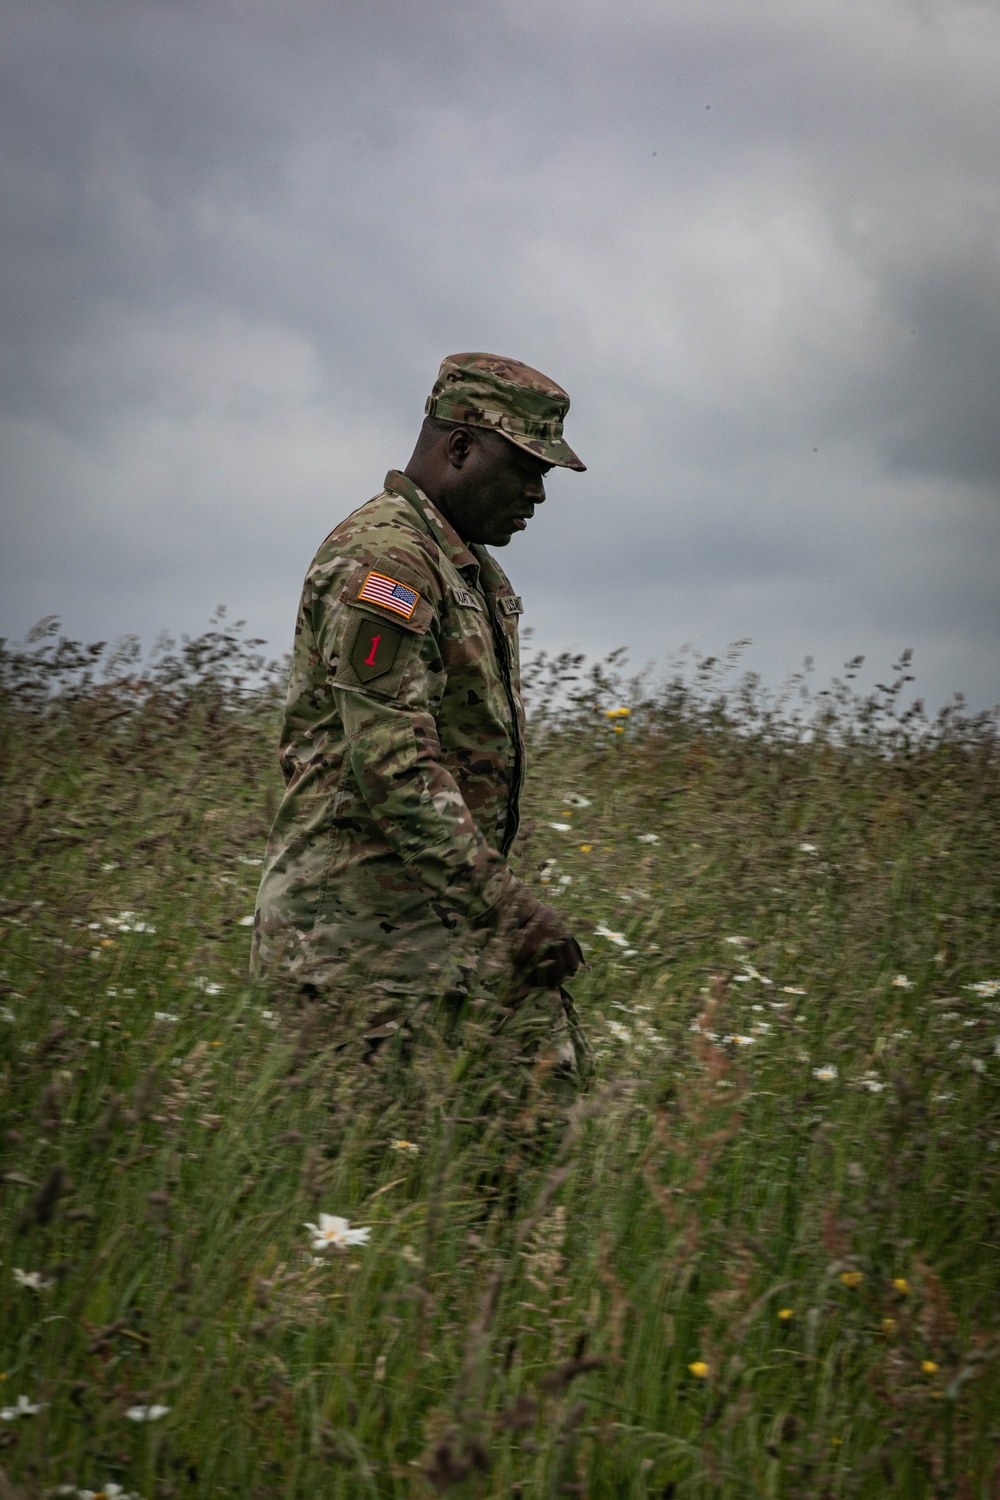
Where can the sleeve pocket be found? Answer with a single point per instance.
(375, 654)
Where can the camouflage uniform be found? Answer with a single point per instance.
(403, 738)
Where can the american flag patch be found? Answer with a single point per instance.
(378, 589)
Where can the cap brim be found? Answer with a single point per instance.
(558, 453)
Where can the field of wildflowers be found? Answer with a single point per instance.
(759, 1256)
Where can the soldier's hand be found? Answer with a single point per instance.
(545, 952)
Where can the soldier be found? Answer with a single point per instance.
(402, 744)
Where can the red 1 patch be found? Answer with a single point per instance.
(375, 647)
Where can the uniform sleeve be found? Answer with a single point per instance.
(396, 758)
(387, 683)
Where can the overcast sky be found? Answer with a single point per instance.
(758, 241)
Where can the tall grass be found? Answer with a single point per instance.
(758, 1257)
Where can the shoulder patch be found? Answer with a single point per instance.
(375, 647)
(379, 588)
(510, 604)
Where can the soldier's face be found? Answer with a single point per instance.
(494, 490)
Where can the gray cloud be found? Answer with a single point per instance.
(758, 245)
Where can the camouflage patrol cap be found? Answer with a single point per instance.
(486, 390)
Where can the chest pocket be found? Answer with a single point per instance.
(466, 634)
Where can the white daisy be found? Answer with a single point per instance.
(22, 1408)
(618, 938)
(34, 1281)
(333, 1233)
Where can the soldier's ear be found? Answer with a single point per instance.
(459, 446)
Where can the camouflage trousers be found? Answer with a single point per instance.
(539, 1036)
(421, 981)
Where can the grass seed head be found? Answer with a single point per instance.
(42, 1208)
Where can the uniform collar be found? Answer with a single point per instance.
(492, 578)
(447, 538)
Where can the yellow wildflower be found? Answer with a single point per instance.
(619, 728)
(699, 1369)
(785, 1314)
(902, 1285)
(889, 1325)
(929, 1367)
(586, 848)
(851, 1278)
(617, 713)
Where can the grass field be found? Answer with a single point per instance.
(760, 1256)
